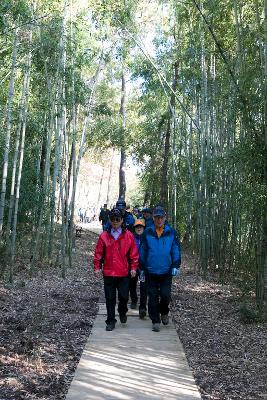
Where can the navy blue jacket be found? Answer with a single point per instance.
(138, 240)
(158, 255)
(149, 222)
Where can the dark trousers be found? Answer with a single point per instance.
(111, 284)
(133, 289)
(143, 296)
(159, 295)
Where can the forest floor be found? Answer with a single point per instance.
(46, 320)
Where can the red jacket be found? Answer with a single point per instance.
(120, 256)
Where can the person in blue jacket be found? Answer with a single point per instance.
(160, 258)
(128, 219)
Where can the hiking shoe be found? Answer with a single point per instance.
(123, 318)
(142, 313)
(156, 327)
(165, 319)
(110, 327)
(133, 306)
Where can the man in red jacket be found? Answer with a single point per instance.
(117, 255)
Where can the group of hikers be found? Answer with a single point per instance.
(86, 215)
(139, 244)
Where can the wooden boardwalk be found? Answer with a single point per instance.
(132, 363)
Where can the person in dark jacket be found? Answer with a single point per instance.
(139, 227)
(137, 214)
(147, 214)
(116, 255)
(128, 219)
(103, 216)
(160, 257)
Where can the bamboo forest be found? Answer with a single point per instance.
(155, 102)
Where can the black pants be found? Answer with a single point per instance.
(110, 285)
(143, 295)
(133, 289)
(159, 295)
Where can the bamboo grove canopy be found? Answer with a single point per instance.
(179, 86)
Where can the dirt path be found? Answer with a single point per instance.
(45, 322)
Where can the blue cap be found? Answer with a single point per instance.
(158, 211)
(115, 212)
(147, 210)
(121, 204)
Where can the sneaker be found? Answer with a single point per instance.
(156, 327)
(133, 306)
(142, 313)
(123, 318)
(110, 327)
(165, 319)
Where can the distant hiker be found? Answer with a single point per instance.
(160, 258)
(117, 255)
(128, 219)
(103, 216)
(147, 214)
(139, 227)
(137, 213)
(82, 214)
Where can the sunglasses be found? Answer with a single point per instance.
(114, 219)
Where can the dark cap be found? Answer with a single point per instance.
(115, 212)
(158, 211)
(146, 210)
(121, 204)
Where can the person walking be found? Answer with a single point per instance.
(103, 216)
(117, 256)
(139, 227)
(160, 258)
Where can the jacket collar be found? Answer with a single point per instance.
(123, 229)
(152, 228)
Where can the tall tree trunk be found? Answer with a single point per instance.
(100, 188)
(167, 143)
(21, 155)
(72, 162)
(122, 179)
(15, 158)
(263, 258)
(164, 172)
(264, 241)
(8, 128)
(110, 177)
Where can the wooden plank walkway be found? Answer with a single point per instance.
(132, 363)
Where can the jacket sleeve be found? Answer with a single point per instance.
(176, 251)
(133, 254)
(99, 254)
(143, 252)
